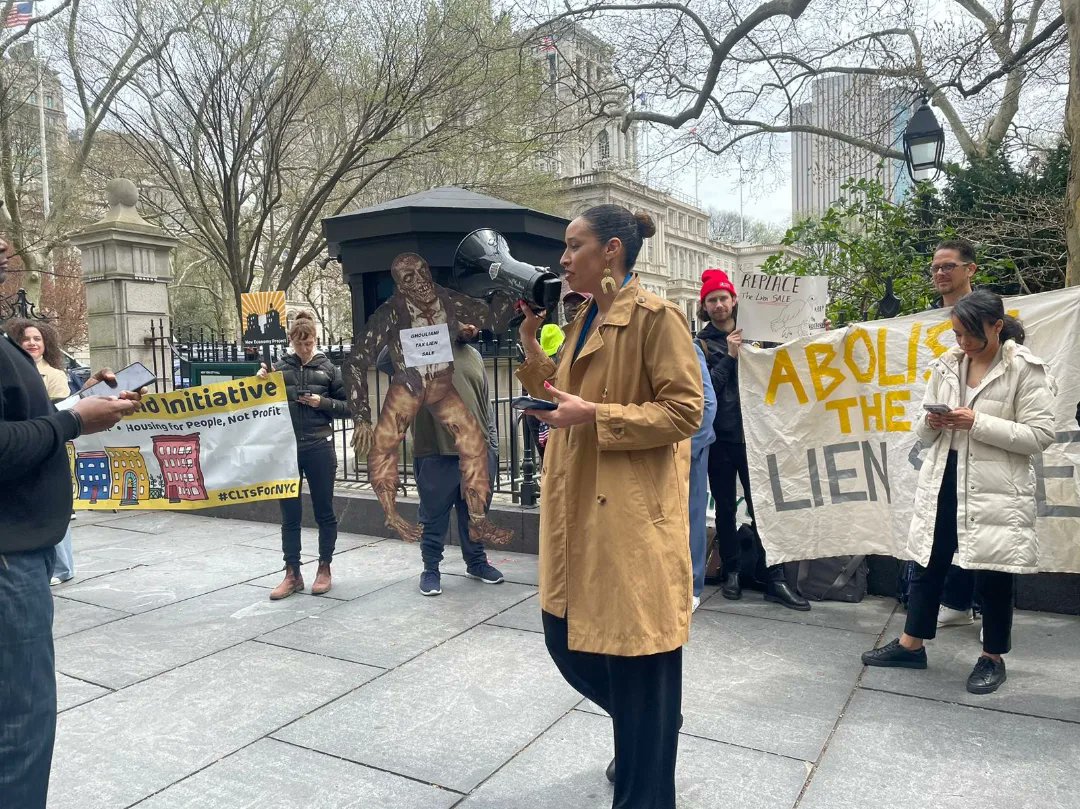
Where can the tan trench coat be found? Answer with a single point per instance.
(614, 523)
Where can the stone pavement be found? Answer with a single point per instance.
(182, 685)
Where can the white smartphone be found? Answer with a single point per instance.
(132, 378)
(939, 409)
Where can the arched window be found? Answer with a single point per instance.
(604, 145)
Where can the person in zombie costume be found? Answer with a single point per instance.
(417, 302)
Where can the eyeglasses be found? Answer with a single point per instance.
(946, 268)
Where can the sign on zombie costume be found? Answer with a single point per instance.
(833, 457)
(213, 445)
(416, 326)
(779, 308)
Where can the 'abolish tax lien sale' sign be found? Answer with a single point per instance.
(231, 442)
(833, 458)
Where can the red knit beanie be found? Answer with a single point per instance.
(712, 280)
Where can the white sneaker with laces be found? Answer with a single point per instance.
(697, 603)
(947, 616)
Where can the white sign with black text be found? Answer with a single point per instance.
(426, 345)
(778, 308)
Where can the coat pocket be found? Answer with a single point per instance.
(647, 484)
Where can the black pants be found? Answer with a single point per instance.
(318, 463)
(643, 695)
(726, 460)
(995, 589)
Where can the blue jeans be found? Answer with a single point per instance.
(438, 480)
(65, 559)
(27, 678)
(699, 498)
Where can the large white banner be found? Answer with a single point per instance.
(230, 442)
(833, 459)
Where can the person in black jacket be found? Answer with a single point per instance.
(35, 506)
(316, 397)
(721, 342)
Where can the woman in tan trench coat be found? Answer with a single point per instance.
(615, 575)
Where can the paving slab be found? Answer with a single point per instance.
(869, 616)
(132, 743)
(159, 522)
(564, 769)
(519, 568)
(152, 586)
(309, 541)
(71, 692)
(95, 535)
(272, 773)
(896, 752)
(91, 517)
(74, 616)
(362, 570)
(768, 685)
(452, 717)
(525, 615)
(392, 625)
(121, 653)
(1043, 660)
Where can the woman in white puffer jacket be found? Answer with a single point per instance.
(976, 492)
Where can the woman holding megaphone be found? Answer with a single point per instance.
(615, 575)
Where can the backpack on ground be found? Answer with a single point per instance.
(835, 578)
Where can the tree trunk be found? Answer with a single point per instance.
(1071, 9)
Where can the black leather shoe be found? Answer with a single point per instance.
(894, 656)
(731, 589)
(986, 677)
(779, 592)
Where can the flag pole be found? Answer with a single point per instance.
(45, 206)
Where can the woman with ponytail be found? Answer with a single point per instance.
(316, 397)
(615, 575)
(989, 409)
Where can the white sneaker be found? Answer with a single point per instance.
(54, 581)
(697, 603)
(946, 616)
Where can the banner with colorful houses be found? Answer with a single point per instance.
(230, 442)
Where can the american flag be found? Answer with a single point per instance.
(547, 43)
(20, 14)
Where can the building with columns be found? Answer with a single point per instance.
(599, 164)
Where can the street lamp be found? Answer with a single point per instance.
(924, 144)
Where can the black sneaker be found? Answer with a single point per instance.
(485, 573)
(986, 677)
(893, 655)
(430, 583)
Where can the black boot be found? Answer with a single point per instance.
(731, 589)
(779, 592)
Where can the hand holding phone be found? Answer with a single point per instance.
(530, 403)
(133, 378)
(937, 409)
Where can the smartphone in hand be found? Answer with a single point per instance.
(938, 409)
(530, 403)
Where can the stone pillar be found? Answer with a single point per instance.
(125, 263)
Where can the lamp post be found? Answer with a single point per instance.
(924, 144)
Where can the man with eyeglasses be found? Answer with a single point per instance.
(951, 272)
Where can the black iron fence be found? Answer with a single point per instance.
(177, 354)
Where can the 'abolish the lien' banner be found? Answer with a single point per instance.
(230, 442)
(833, 458)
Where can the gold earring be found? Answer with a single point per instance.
(607, 283)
